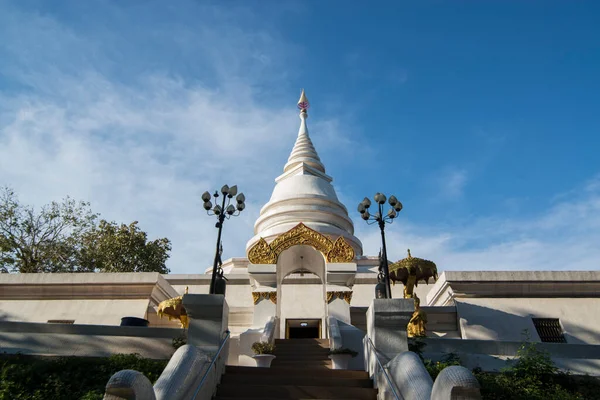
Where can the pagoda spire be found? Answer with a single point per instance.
(304, 150)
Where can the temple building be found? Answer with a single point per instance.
(303, 267)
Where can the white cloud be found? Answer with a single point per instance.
(451, 183)
(147, 148)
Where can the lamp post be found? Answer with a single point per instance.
(381, 219)
(224, 211)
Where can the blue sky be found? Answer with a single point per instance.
(481, 117)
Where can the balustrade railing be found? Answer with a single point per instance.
(212, 365)
(372, 350)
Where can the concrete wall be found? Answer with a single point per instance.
(83, 311)
(86, 340)
(506, 318)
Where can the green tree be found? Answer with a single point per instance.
(64, 237)
(44, 241)
(110, 247)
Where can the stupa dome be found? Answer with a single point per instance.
(304, 194)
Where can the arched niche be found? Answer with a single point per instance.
(298, 297)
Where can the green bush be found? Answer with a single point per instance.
(67, 378)
(532, 376)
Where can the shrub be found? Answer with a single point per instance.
(263, 348)
(434, 368)
(67, 378)
(532, 376)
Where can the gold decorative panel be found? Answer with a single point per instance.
(298, 235)
(256, 296)
(335, 252)
(340, 252)
(261, 253)
(347, 296)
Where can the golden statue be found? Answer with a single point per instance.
(174, 309)
(410, 271)
(417, 324)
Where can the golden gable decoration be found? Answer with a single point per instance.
(335, 252)
(261, 253)
(340, 252)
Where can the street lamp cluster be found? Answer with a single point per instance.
(227, 209)
(224, 211)
(382, 290)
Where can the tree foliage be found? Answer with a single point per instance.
(65, 237)
(123, 248)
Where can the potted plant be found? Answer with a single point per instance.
(341, 357)
(264, 353)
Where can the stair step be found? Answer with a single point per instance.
(302, 364)
(279, 371)
(295, 392)
(301, 357)
(313, 340)
(310, 350)
(295, 380)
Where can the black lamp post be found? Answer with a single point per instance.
(223, 211)
(381, 219)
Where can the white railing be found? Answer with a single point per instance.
(213, 364)
(372, 352)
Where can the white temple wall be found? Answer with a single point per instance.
(505, 318)
(82, 311)
(364, 293)
(263, 311)
(304, 301)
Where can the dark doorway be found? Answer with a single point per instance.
(304, 333)
(303, 328)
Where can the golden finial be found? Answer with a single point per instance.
(303, 103)
(409, 256)
(186, 290)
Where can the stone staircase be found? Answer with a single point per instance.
(300, 371)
